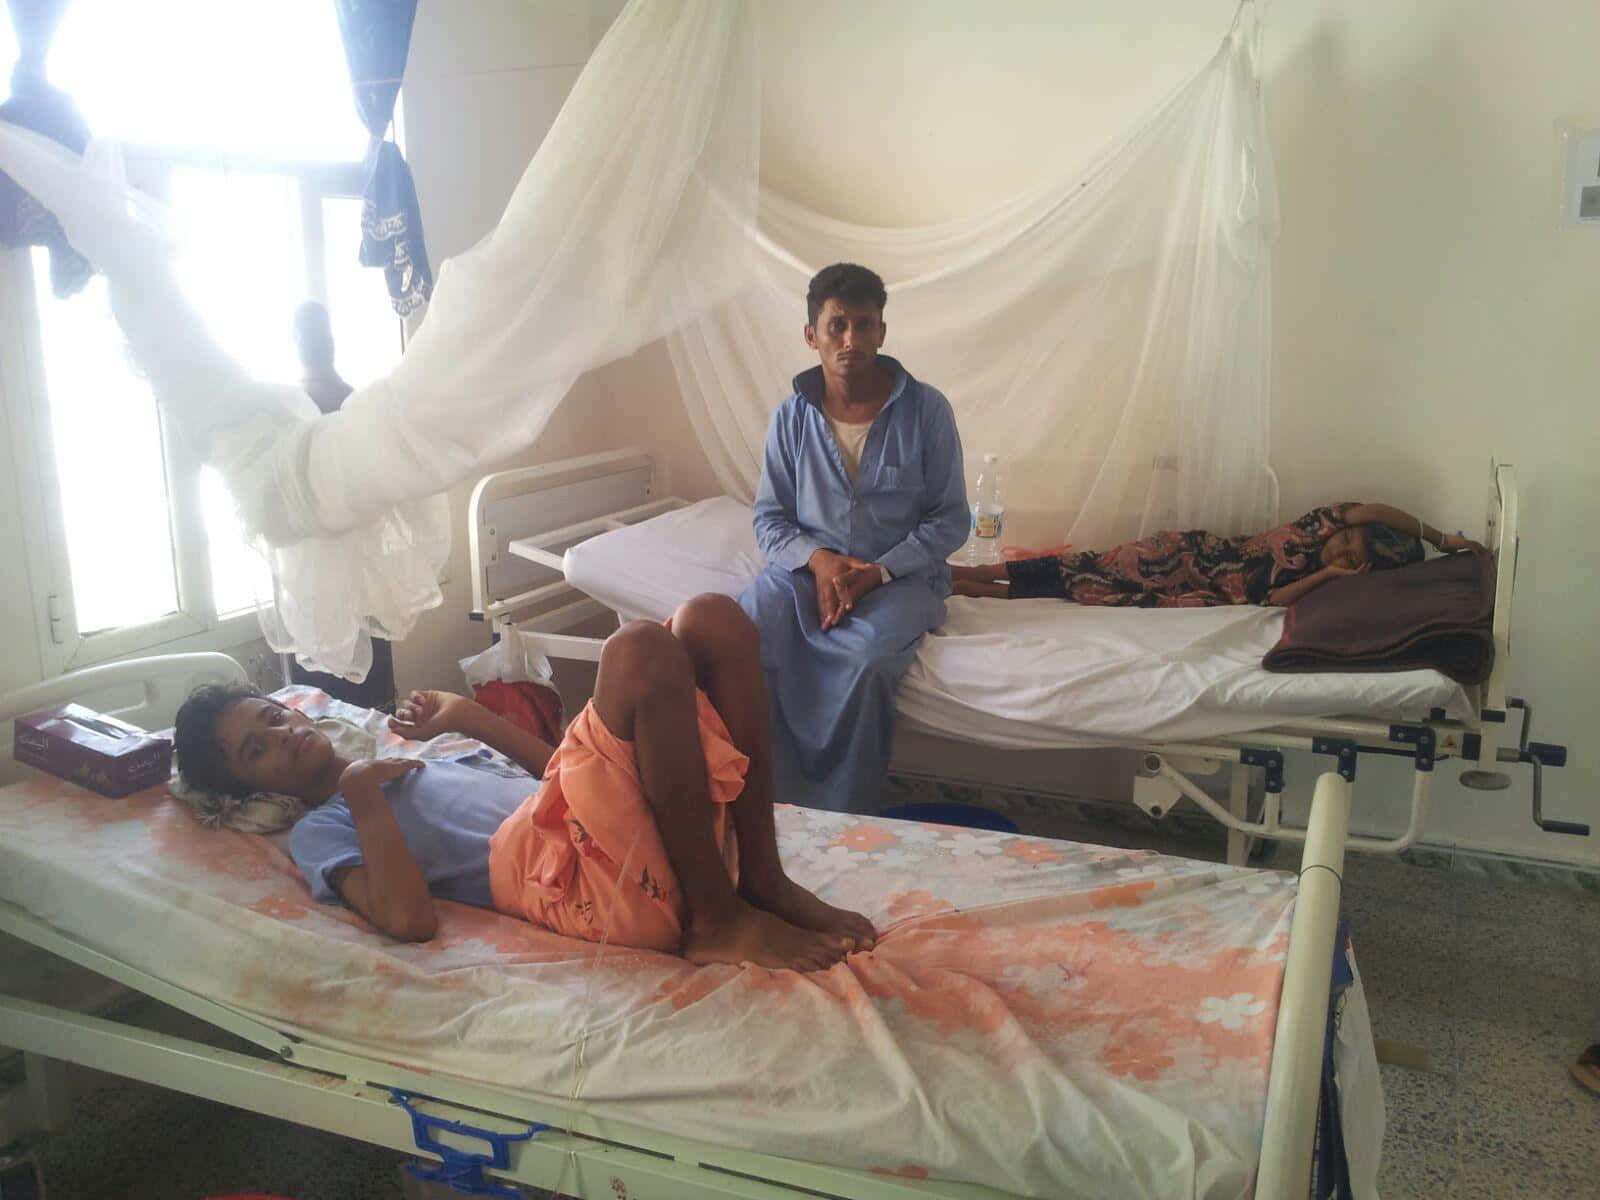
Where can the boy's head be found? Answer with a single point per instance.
(1374, 545)
(232, 740)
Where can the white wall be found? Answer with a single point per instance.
(1428, 313)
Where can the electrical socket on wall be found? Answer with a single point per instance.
(1580, 174)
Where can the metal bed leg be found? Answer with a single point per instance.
(1239, 806)
(49, 1100)
(1293, 1087)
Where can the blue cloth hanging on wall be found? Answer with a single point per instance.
(37, 106)
(377, 41)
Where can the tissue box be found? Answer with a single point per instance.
(91, 749)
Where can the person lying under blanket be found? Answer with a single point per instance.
(653, 826)
(1193, 568)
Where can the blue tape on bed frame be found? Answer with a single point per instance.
(461, 1170)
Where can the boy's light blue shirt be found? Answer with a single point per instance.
(447, 811)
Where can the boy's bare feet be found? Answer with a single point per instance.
(747, 934)
(787, 899)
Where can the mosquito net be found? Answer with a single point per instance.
(1107, 331)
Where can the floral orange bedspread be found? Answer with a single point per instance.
(1048, 1018)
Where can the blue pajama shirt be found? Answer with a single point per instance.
(833, 692)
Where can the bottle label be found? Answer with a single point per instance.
(986, 525)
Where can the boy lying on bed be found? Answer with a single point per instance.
(653, 826)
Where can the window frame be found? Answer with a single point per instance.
(195, 624)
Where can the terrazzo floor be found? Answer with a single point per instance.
(1498, 982)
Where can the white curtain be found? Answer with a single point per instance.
(1107, 334)
(1108, 331)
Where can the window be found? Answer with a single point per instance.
(133, 544)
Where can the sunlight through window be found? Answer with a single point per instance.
(109, 462)
(230, 117)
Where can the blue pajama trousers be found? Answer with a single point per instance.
(833, 692)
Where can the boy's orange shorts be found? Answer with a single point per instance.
(583, 852)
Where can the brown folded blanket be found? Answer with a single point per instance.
(1430, 614)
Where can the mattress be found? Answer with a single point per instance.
(1051, 1019)
(1032, 673)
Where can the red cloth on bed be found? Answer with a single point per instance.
(531, 706)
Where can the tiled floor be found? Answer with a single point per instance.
(1499, 982)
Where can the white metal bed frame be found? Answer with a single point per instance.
(570, 1148)
(599, 1159)
(521, 522)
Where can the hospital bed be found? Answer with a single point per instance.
(1081, 1021)
(560, 544)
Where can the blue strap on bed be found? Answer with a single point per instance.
(461, 1170)
(1330, 1169)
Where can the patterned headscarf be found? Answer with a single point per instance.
(1388, 547)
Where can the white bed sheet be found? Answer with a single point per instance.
(1031, 673)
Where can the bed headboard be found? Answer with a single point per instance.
(1502, 539)
(549, 498)
(142, 691)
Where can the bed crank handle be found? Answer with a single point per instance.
(1572, 827)
(1539, 755)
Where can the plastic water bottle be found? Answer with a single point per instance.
(988, 515)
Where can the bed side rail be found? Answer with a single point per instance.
(159, 679)
(142, 691)
(540, 500)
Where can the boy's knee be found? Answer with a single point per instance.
(713, 619)
(645, 658)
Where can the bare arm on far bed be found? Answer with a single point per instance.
(427, 714)
(387, 888)
(1290, 592)
(1404, 522)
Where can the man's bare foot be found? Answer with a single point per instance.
(795, 904)
(747, 934)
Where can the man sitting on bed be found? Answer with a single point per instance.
(653, 826)
(862, 499)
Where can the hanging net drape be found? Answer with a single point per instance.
(1107, 332)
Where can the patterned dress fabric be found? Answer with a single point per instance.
(1183, 568)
